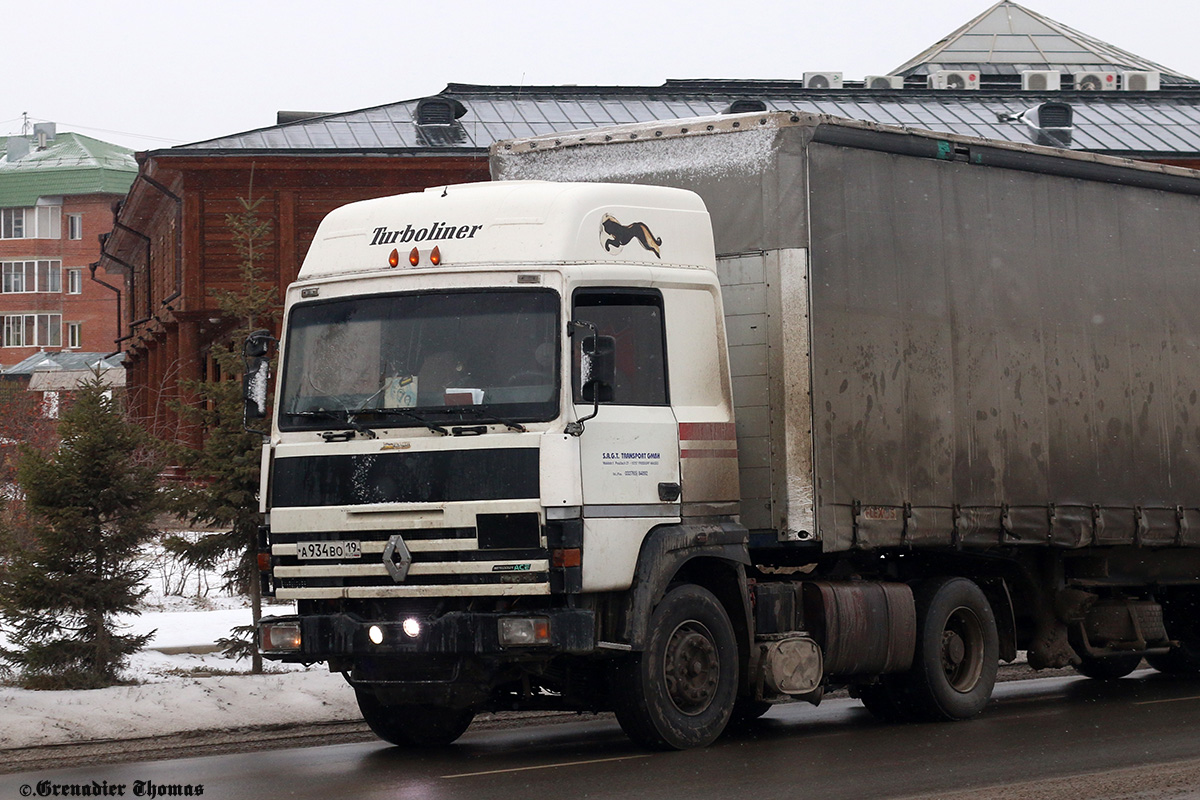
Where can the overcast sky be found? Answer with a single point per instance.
(150, 74)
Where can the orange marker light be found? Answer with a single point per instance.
(435, 257)
(414, 257)
(394, 259)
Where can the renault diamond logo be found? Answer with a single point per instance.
(397, 559)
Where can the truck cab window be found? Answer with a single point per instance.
(634, 321)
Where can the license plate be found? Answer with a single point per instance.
(328, 550)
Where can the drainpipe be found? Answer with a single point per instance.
(178, 239)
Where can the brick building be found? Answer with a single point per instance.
(1009, 74)
(57, 192)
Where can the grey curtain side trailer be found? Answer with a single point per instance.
(951, 356)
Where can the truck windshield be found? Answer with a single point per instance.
(403, 360)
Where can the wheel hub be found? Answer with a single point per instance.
(692, 668)
(962, 649)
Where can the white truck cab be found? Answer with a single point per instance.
(480, 417)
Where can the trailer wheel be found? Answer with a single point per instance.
(413, 725)
(1183, 660)
(1108, 668)
(679, 692)
(957, 652)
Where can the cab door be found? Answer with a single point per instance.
(630, 449)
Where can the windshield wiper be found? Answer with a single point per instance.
(479, 412)
(407, 412)
(344, 417)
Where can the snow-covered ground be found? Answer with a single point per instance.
(175, 692)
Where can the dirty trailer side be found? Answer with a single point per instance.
(977, 360)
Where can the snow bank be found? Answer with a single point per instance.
(174, 705)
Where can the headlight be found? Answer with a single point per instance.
(524, 631)
(279, 636)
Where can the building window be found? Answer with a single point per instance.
(31, 276)
(33, 330)
(74, 226)
(74, 335)
(75, 281)
(37, 222)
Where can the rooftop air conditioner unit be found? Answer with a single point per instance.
(1095, 81)
(954, 79)
(822, 80)
(883, 82)
(1040, 80)
(1140, 81)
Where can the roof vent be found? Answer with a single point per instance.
(288, 117)
(439, 111)
(746, 105)
(1050, 124)
(822, 80)
(1140, 81)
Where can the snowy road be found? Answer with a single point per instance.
(1047, 737)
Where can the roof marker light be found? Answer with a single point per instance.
(394, 259)
(435, 257)
(414, 257)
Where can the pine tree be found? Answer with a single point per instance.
(91, 504)
(225, 469)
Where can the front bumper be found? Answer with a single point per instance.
(337, 636)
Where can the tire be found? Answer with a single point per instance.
(1108, 668)
(1183, 660)
(679, 692)
(411, 725)
(957, 653)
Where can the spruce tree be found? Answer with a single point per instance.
(91, 505)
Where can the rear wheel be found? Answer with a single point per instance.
(1183, 660)
(679, 692)
(1108, 668)
(957, 653)
(413, 725)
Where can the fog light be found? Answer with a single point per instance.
(280, 636)
(523, 631)
(375, 634)
(412, 628)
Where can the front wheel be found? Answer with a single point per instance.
(957, 652)
(413, 725)
(680, 691)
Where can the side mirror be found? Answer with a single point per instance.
(257, 375)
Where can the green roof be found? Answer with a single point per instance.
(71, 164)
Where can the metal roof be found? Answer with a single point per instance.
(65, 361)
(1149, 124)
(71, 164)
(999, 44)
(1008, 38)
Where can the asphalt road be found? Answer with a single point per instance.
(1050, 737)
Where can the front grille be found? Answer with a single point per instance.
(444, 562)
